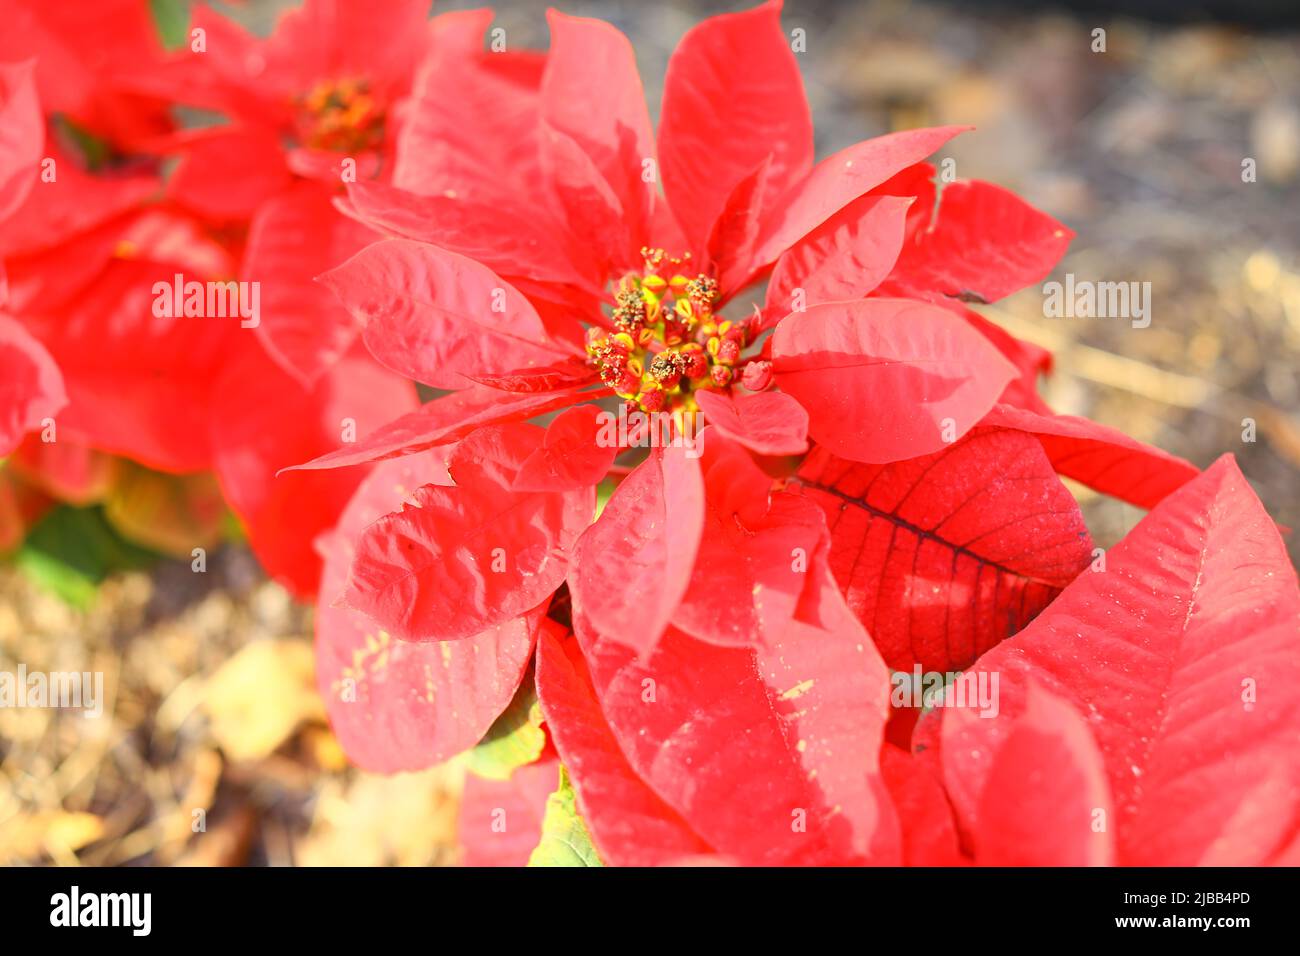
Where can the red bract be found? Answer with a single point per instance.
(472, 556)
(397, 705)
(633, 566)
(265, 419)
(945, 555)
(928, 833)
(20, 143)
(629, 822)
(790, 732)
(31, 389)
(501, 820)
(1062, 817)
(926, 377)
(1179, 660)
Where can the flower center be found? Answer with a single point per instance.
(340, 115)
(667, 343)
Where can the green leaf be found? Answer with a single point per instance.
(232, 528)
(515, 738)
(71, 550)
(172, 20)
(565, 840)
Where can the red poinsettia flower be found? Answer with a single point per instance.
(88, 238)
(316, 104)
(731, 636)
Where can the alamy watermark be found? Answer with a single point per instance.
(638, 429)
(64, 690)
(977, 690)
(1085, 299)
(133, 911)
(218, 300)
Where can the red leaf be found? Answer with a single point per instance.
(734, 483)
(21, 134)
(592, 96)
(1045, 802)
(838, 180)
(80, 55)
(231, 76)
(751, 572)
(74, 202)
(470, 130)
(886, 379)
(1184, 655)
(263, 420)
(163, 234)
(632, 566)
(109, 335)
(589, 206)
(573, 373)
(734, 80)
(845, 257)
(225, 173)
(629, 824)
(443, 421)
(396, 705)
(915, 182)
(293, 237)
(51, 279)
(31, 388)
(985, 241)
(924, 815)
(768, 423)
(1102, 458)
(571, 455)
(470, 228)
(501, 820)
(790, 733)
(457, 561)
(736, 233)
(437, 317)
(941, 557)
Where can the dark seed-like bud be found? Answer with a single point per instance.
(666, 369)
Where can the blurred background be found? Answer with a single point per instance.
(1139, 149)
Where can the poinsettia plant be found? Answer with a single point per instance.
(678, 572)
(734, 533)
